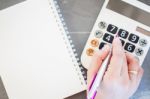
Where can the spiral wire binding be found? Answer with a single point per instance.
(69, 43)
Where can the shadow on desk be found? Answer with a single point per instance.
(81, 95)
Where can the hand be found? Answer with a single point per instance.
(122, 77)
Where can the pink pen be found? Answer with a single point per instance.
(98, 78)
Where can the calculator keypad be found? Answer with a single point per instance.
(112, 29)
(123, 33)
(108, 38)
(129, 47)
(133, 38)
(107, 33)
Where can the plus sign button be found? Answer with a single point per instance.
(143, 42)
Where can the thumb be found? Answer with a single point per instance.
(97, 60)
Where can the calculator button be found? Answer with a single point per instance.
(102, 25)
(133, 38)
(112, 29)
(143, 42)
(122, 41)
(108, 38)
(94, 43)
(101, 45)
(139, 51)
(98, 34)
(123, 34)
(130, 47)
(90, 52)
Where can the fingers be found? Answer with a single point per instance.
(140, 75)
(132, 60)
(96, 63)
(118, 57)
(133, 65)
(135, 72)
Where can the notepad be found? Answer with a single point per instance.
(36, 57)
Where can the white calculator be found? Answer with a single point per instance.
(130, 19)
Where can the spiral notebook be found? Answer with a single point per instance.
(36, 56)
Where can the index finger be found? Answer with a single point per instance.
(118, 57)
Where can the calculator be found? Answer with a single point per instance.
(130, 20)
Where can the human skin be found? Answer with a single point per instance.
(123, 74)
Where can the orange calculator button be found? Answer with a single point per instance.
(90, 52)
(95, 43)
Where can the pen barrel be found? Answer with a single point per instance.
(93, 91)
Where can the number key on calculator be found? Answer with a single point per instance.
(134, 32)
(133, 38)
(123, 33)
(108, 38)
(112, 29)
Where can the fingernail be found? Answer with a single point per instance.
(106, 47)
(117, 41)
(116, 35)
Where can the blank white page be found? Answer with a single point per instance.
(34, 59)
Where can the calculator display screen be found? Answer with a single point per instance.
(138, 10)
(141, 4)
(141, 30)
